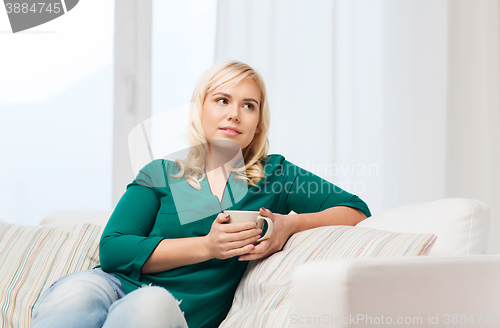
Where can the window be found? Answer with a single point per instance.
(56, 109)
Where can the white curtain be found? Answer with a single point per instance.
(395, 101)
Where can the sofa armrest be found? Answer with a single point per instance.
(409, 292)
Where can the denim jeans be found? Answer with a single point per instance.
(94, 298)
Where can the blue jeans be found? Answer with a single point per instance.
(94, 298)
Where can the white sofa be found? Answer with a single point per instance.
(319, 286)
(456, 285)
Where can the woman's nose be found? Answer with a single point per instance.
(233, 112)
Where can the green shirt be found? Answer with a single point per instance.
(146, 214)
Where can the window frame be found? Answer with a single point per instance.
(132, 84)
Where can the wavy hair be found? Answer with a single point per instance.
(192, 168)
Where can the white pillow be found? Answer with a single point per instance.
(461, 225)
(263, 299)
(33, 257)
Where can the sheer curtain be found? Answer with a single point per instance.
(395, 101)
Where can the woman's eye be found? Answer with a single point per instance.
(223, 99)
(249, 106)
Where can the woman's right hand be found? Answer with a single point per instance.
(228, 240)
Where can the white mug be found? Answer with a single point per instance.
(253, 216)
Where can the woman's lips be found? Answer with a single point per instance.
(230, 133)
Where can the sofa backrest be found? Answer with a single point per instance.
(462, 226)
(67, 219)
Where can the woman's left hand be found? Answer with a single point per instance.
(282, 230)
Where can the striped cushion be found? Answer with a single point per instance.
(263, 295)
(33, 257)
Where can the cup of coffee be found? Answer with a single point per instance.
(253, 216)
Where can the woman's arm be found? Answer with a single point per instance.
(174, 253)
(318, 202)
(222, 242)
(125, 242)
(338, 215)
(287, 225)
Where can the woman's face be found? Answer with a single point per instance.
(232, 113)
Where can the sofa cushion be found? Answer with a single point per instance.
(461, 225)
(262, 298)
(33, 257)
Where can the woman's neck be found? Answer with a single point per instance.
(221, 155)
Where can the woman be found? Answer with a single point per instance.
(168, 257)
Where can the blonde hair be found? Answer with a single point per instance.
(192, 168)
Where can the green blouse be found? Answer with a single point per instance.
(147, 213)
